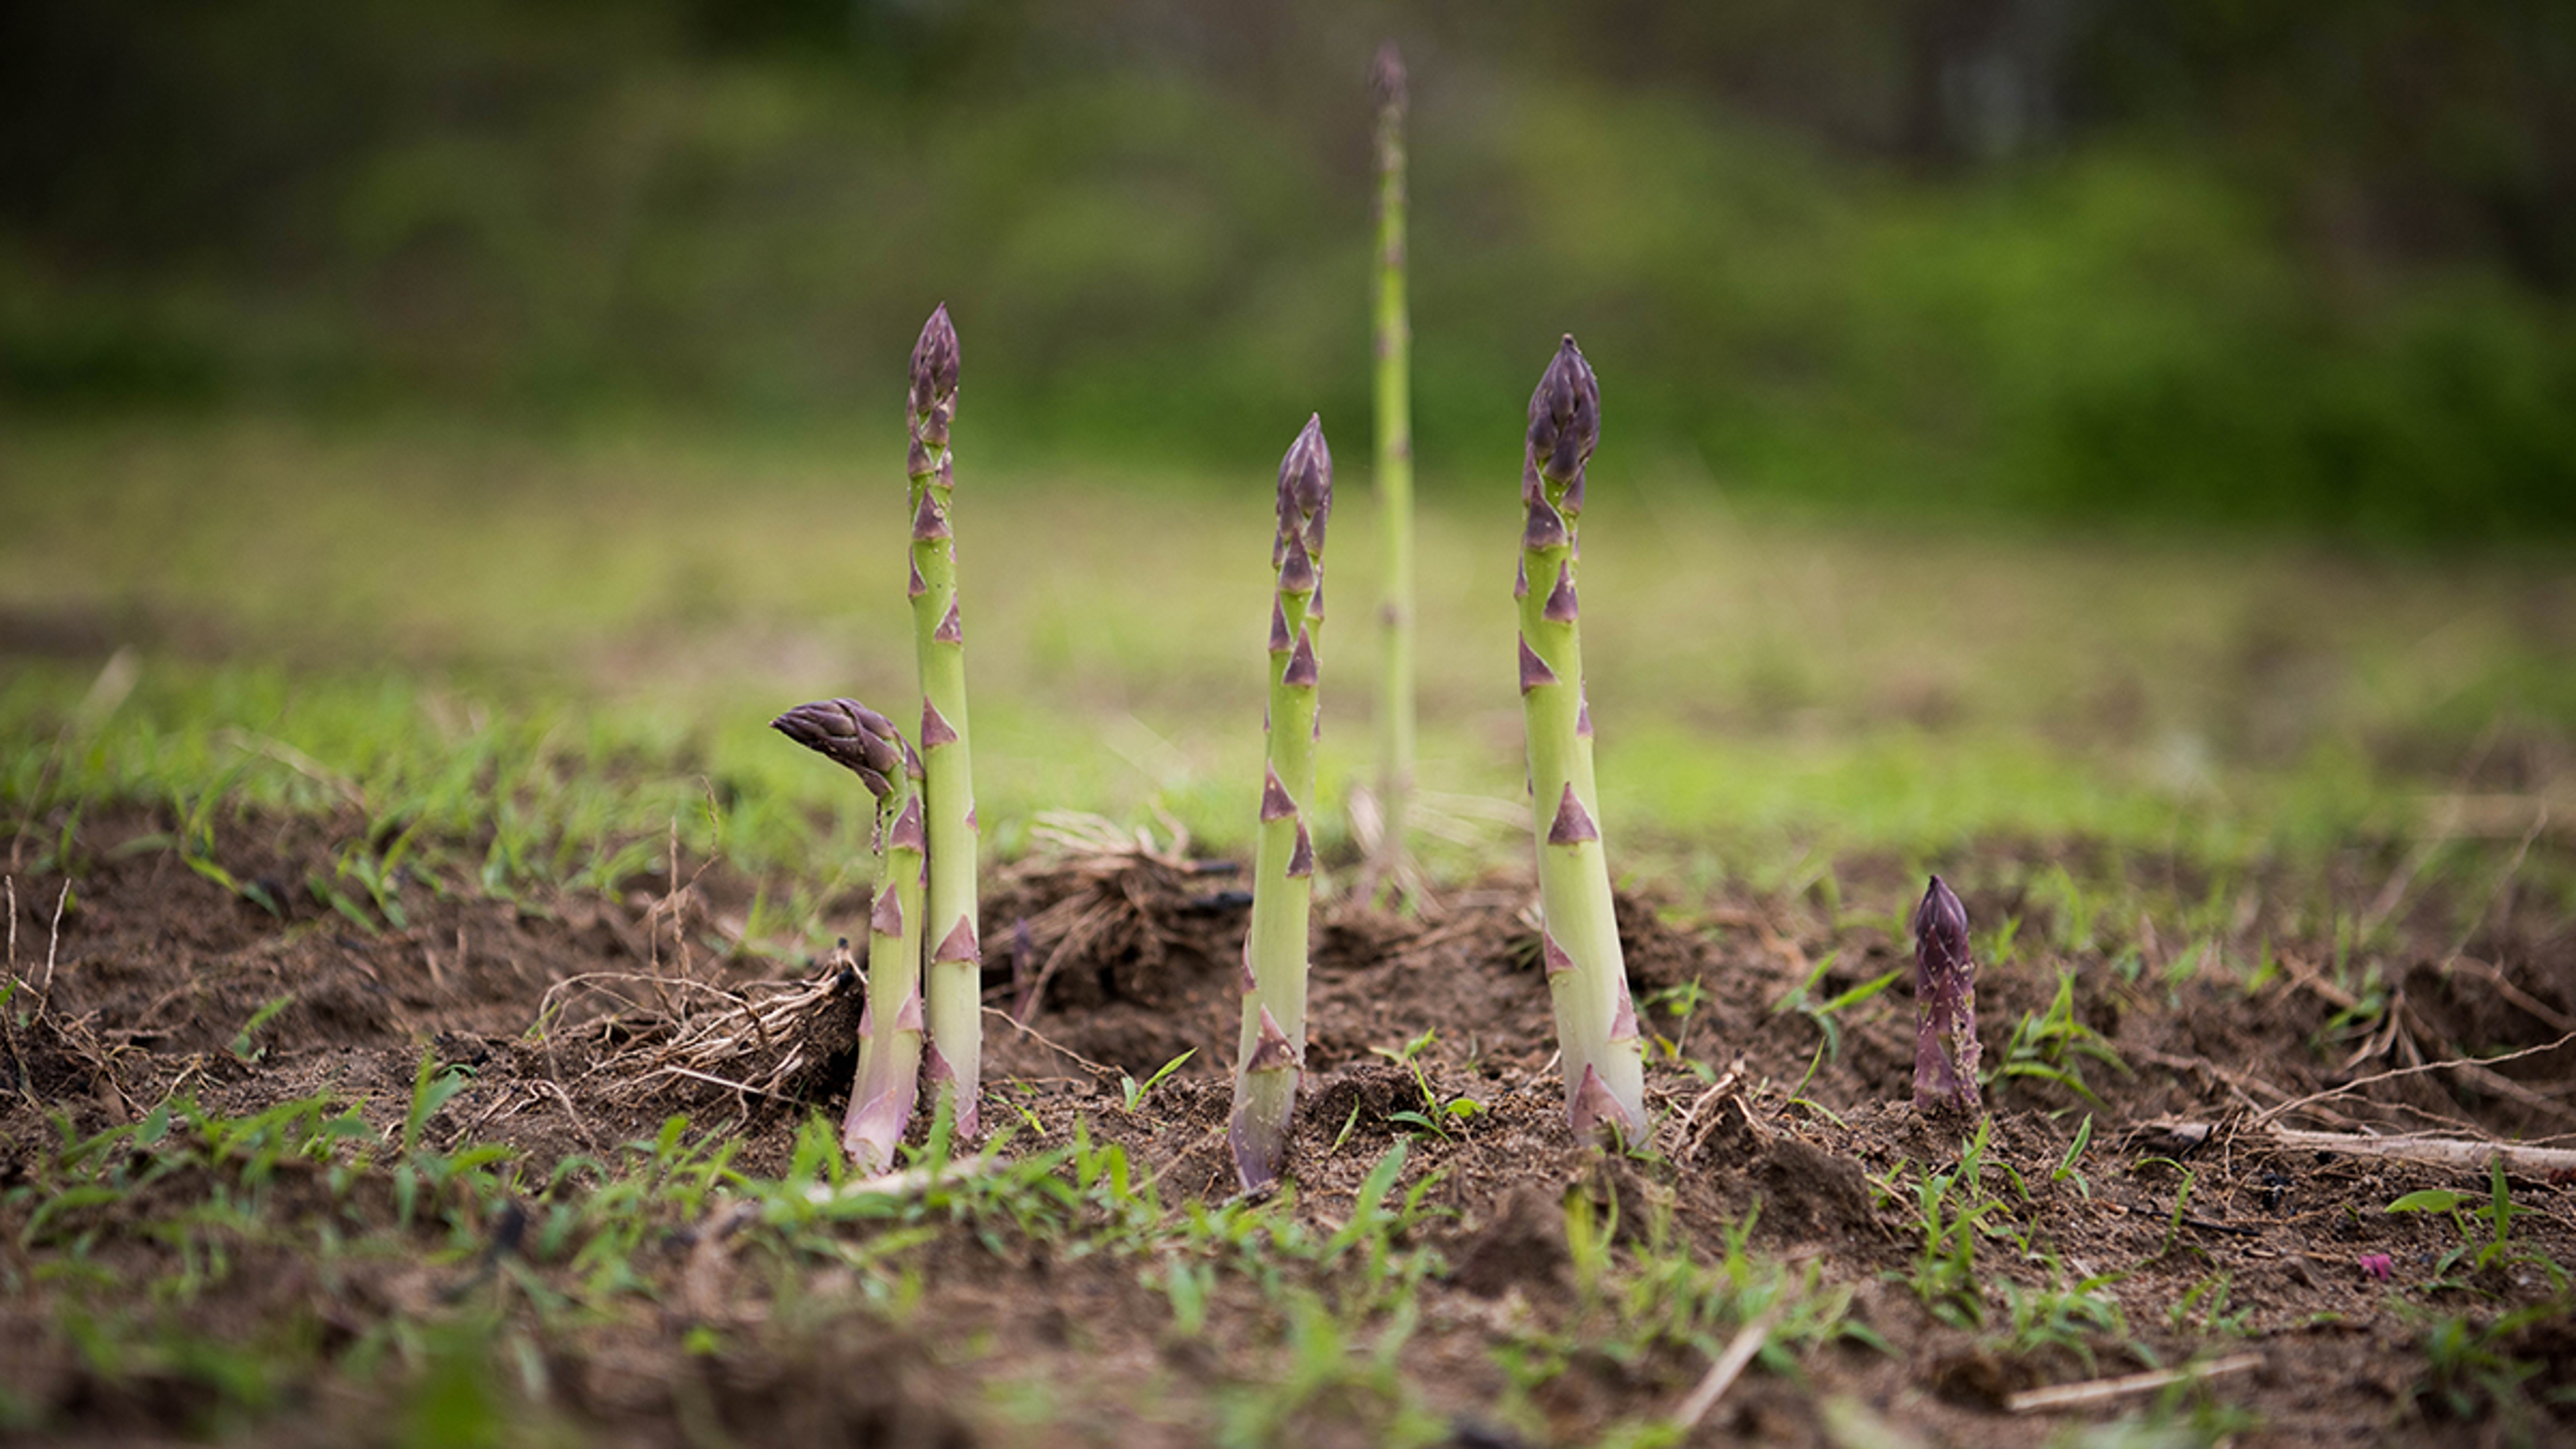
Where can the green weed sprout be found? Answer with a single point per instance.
(956, 960)
(1945, 1004)
(1395, 702)
(850, 734)
(1596, 1021)
(1272, 1054)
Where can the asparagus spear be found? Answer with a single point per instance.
(881, 1098)
(956, 957)
(1394, 474)
(1272, 1050)
(1596, 1023)
(1945, 1004)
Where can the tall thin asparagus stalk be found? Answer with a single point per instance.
(1272, 1051)
(1596, 1022)
(956, 960)
(1395, 698)
(881, 1097)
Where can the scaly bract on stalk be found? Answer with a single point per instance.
(1945, 1004)
(1587, 978)
(1395, 702)
(1271, 1054)
(939, 638)
(882, 1094)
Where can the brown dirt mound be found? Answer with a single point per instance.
(589, 1020)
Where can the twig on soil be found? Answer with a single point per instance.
(53, 939)
(2266, 1116)
(724, 1082)
(2440, 1151)
(1748, 1341)
(2095, 1391)
(2505, 988)
(1727, 1083)
(2462, 1152)
(580, 1123)
(1041, 1038)
(2243, 1086)
(546, 1004)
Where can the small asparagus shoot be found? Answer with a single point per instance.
(1395, 702)
(1945, 1004)
(1596, 1020)
(881, 1098)
(956, 956)
(1272, 1051)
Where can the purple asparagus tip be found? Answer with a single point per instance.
(1305, 499)
(934, 379)
(848, 734)
(1564, 424)
(1386, 78)
(1945, 1003)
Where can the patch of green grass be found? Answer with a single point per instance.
(515, 666)
(2053, 1045)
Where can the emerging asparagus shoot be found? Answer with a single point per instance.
(1395, 702)
(1945, 1004)
(939, 636)
(1272, 1051)
(1596, 1020)
(881, 1098)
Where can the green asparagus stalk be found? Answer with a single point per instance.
(1271, 1054)
(1394, 477)
(956, 956)
(1596, 1022)
(881, 1097)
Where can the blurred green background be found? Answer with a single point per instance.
(2298, 267)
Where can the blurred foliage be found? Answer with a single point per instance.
(2301, 265)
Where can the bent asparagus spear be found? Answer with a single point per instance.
(849, 733)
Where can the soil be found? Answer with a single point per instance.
(588, 1021)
